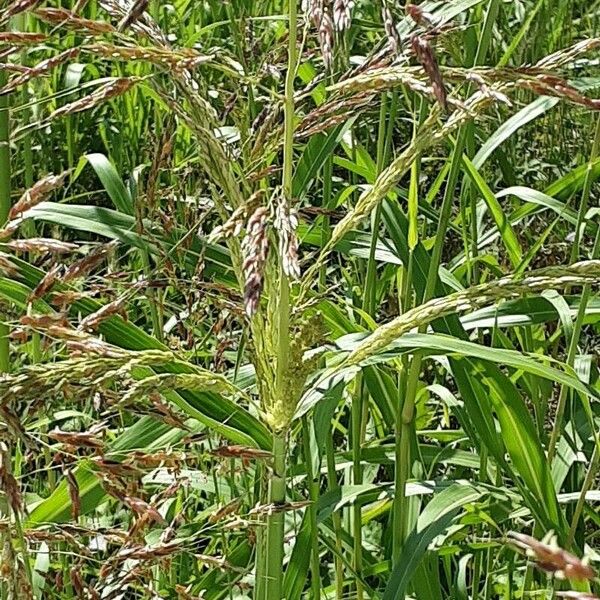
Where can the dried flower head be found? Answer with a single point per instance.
(8, 483)
(390, 28)
(83, 266)
(136, 10)
(69, 19)
(243, 452)
(549, 557)
(93, 320)
(424, 53)
(116, 87)
(42, 245)
(16, 8)
(255, 249)
(286, 222)
(234, 225)
(326, 37)
(42, 68)
(420, 16)
(37, 193)
(342, 14)
(21, 37)
(46, 283)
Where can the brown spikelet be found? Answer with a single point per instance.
(21, 37)
(240, 452)
(8, 483)
(85, 439)
(576, 595)
(37, 193)
(136, 10)
(40, 69)
(326, 37)
(92, 321)
(77, 582)
(84, 345)
(17, 7)
(342, 14)
(45, 283)
(225, 511)
(7, 267)
(270, 509)
(161, 156)
(83, 266)
(390, 28)
(234, 225)
(419, 16)
(116, 468)
(65, 299)
(255, 249)
(107, 91)
(550, 85)
(549, 557)
(42, 245)
(73, 494)
(286, 222)
(332, 113)
(144, 25)
(43, 322)
(143, 509)
(424, 53)
(150, 552)
(69, 19)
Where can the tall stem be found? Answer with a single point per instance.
(270, 566)
(273, 575)
(313, 489)
(4, 202)
(585, 298)
(332, 484)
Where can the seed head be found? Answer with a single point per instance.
(326, 37)
(286, 222)
(255, 249)
(424, 53)
(390, 28)
(342, 14)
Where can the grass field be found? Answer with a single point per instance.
(299, 300)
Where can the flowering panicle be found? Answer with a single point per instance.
(424, 53)
(286, 222)
(342, 14)
(255, 249)
(390, 27)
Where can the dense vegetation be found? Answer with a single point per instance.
(299, 300)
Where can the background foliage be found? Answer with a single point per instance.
(299, 301)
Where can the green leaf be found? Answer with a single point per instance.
(437, 516)
(112, 182)
(502, 223)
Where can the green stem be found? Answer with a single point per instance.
(585, 298)
(327, 204)
(313, 490)
(587, 484)
(4, 203)
(271, 570)
(155, 313)
(273, 574)
(332, 485)
(356, 422)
